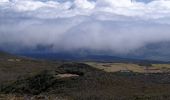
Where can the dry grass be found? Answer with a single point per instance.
(161, 65)
(66, 75)
(115, 67)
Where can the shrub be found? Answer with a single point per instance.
(32, 85)
(145, 64)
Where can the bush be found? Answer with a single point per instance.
(76, 68)
(145, 64)
(32, 85)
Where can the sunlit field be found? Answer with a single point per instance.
(130, 67)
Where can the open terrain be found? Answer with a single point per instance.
(29, 79)
(131, 67)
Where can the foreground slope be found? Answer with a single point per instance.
(37, 79)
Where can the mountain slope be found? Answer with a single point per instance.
(62, 56)
(155, 51)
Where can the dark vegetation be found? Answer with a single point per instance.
(4, 56)
(76, 68)
(33, 77)
(93, 84)
(145, 64)
(32, 85)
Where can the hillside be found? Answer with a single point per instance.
(7, 56)
(28, 78)
(63, 56)
(4, 54)
(13, 67)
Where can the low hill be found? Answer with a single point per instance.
(13, 66)
(5, 55)
(22, 79)
(87, 57)
(78, 81)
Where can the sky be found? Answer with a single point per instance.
(119, 26)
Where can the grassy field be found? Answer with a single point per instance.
(124, 67)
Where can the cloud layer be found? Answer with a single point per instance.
(119, 26)
(69, 8)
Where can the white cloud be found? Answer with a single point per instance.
(115, 25)
(115, 3)
(3, 1)
(154, 9)
(84, 4)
